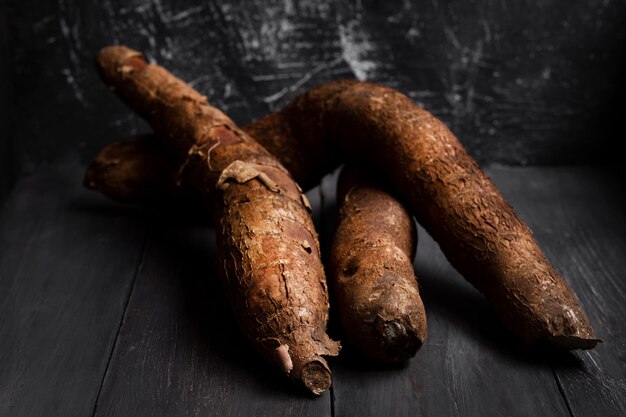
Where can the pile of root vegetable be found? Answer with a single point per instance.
(245, 180)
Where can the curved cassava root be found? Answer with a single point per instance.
(447, 191)
(371, 264)
(266, 240)
(451, 197)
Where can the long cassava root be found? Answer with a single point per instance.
(452, 198)
(267, 244)
(446, 190)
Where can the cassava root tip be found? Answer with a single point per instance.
(399, 340)
(572, 342)
(372, 271)
(278, 295)
(316, 376)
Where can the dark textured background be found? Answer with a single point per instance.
(524, 82)
(6, 170)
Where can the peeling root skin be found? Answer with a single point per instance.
(447, 191)
(276, 287)
(284, 360)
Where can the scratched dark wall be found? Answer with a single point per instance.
(520, 82)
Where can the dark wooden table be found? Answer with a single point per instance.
(110, 310)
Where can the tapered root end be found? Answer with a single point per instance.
(571, 342)
(316, 377)
(572, 330)
(103, 179)
(116, 62)
(560, 332)
(400, 342)
(89, 180)
(98, 177)
(567, 325)
(304, 364)
(115, 174)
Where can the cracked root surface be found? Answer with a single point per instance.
(446, 190)
(371, 265)
(276, 285)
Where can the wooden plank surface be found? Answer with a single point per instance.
(180, 351)
(67, 261)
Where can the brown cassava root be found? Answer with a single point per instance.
(380, 306)
(371, 264)
(451, 197)
(266, 240)
(136, 171)
(370, 261)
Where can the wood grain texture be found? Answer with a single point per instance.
(520, 83)
(67, 261)
(180, 351)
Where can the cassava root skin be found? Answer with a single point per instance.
(447, 191)
(457, 203)
(266, 240)
(372, 270)
(370, 257)
(370, 262)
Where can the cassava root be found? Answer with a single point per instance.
(447, 191)
(451, 197)
(371, 265)
(267, 244)
(370, 262)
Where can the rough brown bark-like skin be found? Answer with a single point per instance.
(451, 197)
(376, 291)
(266, 239)
(461, 208)
(372, 270)
(298, 134)
(454, 200)
(120, 170)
